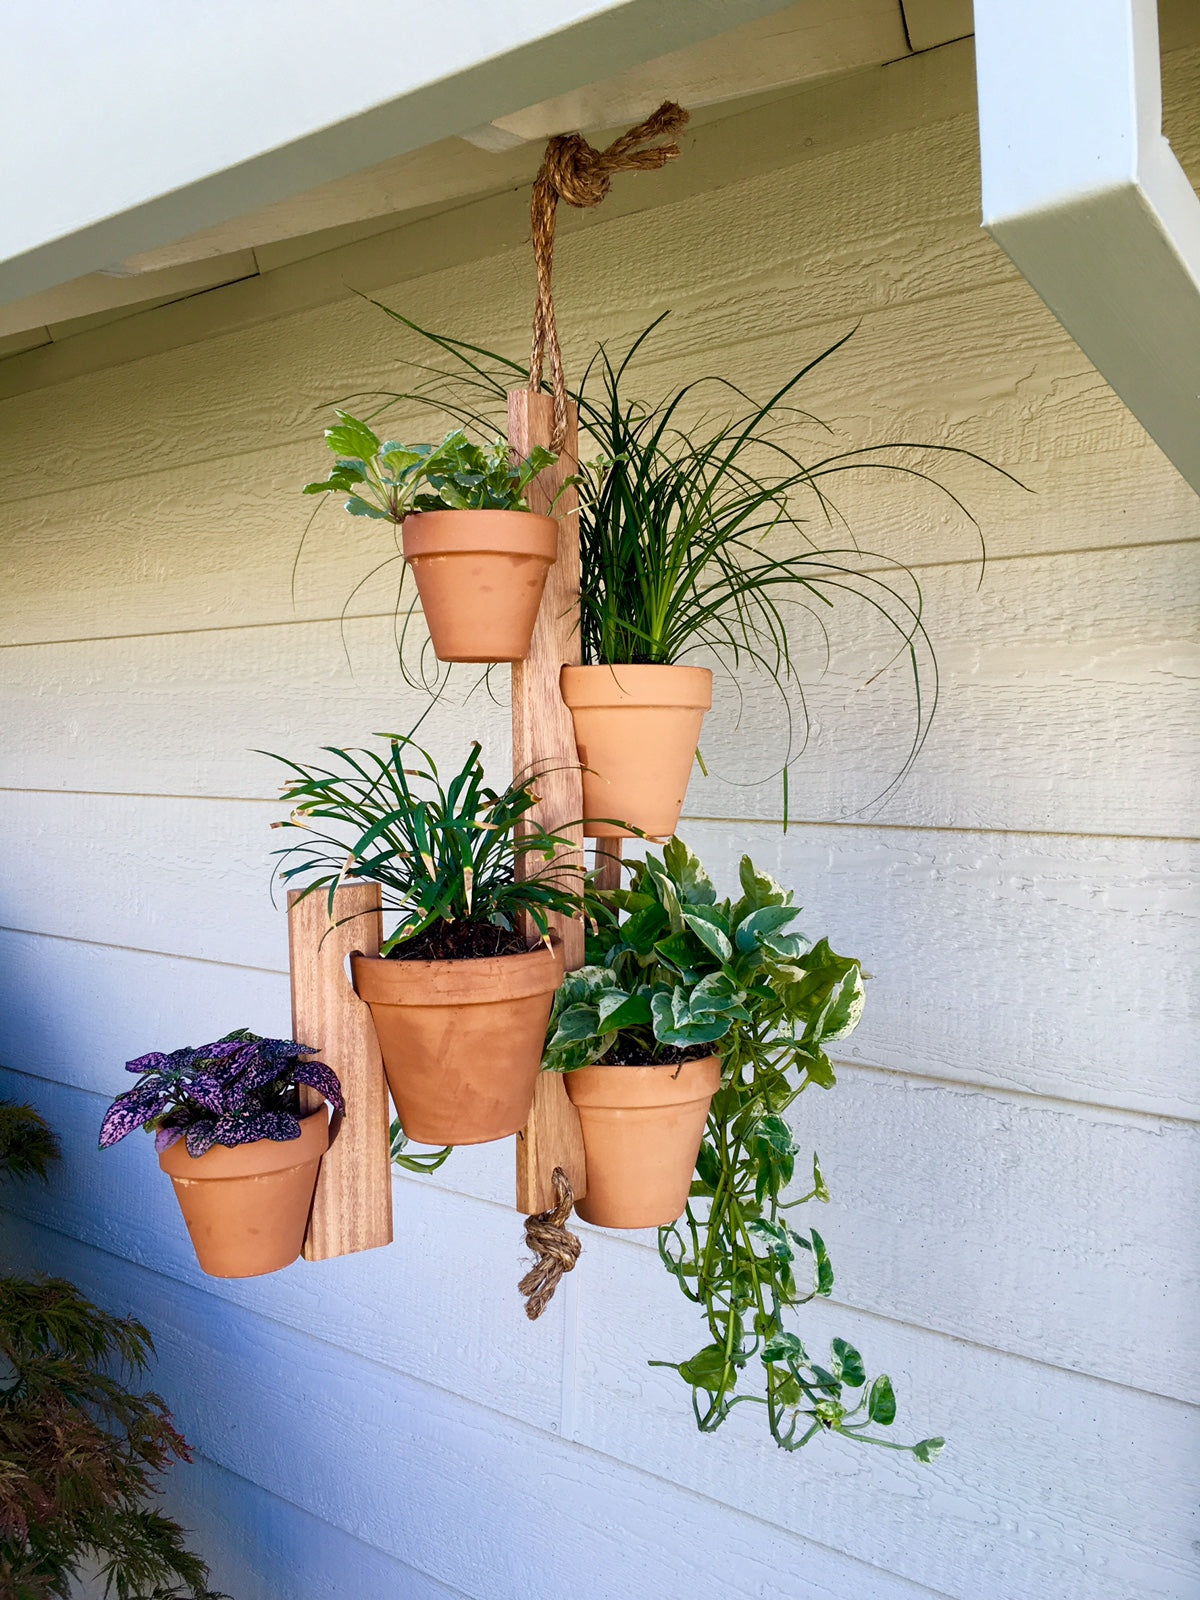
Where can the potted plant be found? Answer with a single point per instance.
(478, 554)
(681, 983)
(461, 991)
(695, 542)
(229, 1131)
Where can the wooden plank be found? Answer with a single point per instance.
(352, 1208)
(543, 742)
(607, 863)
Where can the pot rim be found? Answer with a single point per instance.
(256, 1159)
(640, 683)
(467, 980)
(486, 532)
(617, 1085)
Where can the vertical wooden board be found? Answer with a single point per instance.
(352, 1207)
(543, 741)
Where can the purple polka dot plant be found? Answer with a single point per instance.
(231, 1092)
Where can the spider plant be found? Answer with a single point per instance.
(691, 509)
(458, 864)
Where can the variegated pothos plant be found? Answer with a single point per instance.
(672, 968)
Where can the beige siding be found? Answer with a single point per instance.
(1012, 1148)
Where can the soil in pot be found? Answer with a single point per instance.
(642, 1128)
(246, 1206)
(480, 575)
(636, 732)
(461, 1039)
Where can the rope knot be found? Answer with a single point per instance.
(557, 1250)
(575, 171)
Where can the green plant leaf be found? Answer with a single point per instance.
(849, 1364)
(929, 1449)
(785, 1347)
(881, 1403)
(352, 438)
(706, 1369)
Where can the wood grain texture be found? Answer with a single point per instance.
(543, 742)
(352, 1206)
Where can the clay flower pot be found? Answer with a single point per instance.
(636, 731)
(480, 575)
(246, 1206)
(461, 1040)
(642, 1128)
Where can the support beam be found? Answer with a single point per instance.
(154, 121)
(1085, 195)
(543, 741)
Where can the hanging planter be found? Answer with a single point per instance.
(231, 1136)
(246, 1208)
(480, 576)
(461, 991)
(461, 1040)
(636, 731)
(642, 1128)
(478, 554)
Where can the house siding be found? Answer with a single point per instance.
(1012, 1143)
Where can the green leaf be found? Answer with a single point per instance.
(758, 925)
(881, 1404)
(849, 1364)
(617, 1010)
(358, 507)
(823, 1264)
(929, 1449)
(694, 885)
(707, 1369)
(708, 1165)
(709, 934)
(785, 1347)
(820, 1191)
(352, 438)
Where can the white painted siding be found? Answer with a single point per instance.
(1012, 1144)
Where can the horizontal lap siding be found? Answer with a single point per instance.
(1011, 1146)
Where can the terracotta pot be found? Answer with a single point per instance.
(642, 1128)
(246, 1206)
(480, 575)
(461, 1040)
(636, 731)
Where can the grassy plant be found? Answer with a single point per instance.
(455, 862)
(690, 508)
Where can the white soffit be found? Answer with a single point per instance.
(1083, 192)
(157, 120)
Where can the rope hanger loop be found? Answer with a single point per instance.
(573, 170)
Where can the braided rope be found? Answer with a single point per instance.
(557, 1249)
(573, 170)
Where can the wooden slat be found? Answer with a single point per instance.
(352, 1208)
(607, 863)
(543, 741)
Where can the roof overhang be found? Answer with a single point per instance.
(157, 121)
(1083, 192)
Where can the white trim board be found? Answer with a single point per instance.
(1085, 195)
(152, 126)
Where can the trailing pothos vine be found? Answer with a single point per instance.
(674, 971)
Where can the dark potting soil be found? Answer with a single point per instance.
(460, 941)
(669, 1055)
